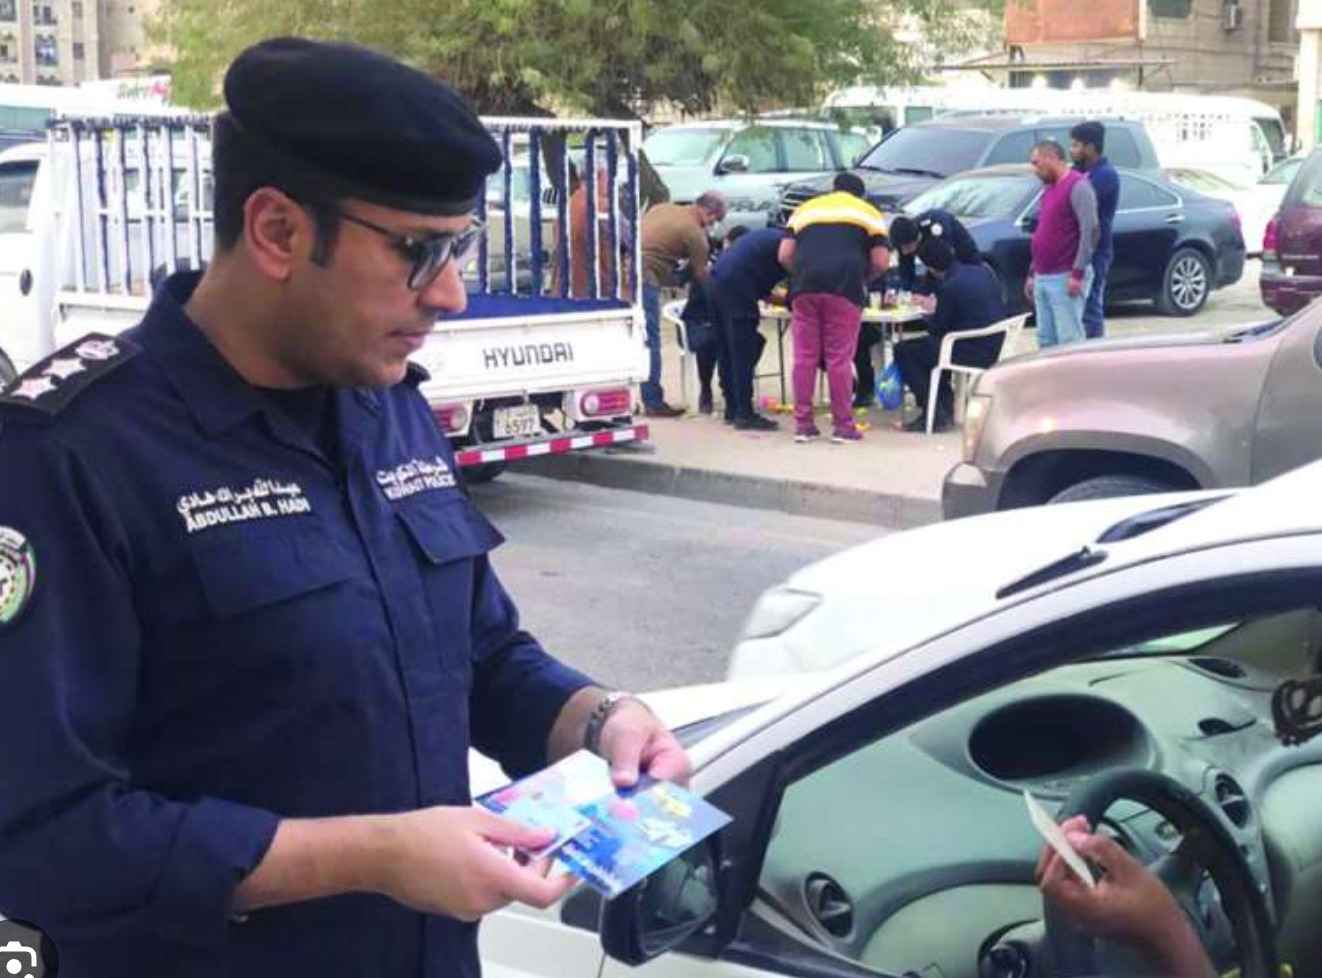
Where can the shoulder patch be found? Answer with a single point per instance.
(416, 374)
(51, 385)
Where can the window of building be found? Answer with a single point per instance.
(46, 50)
(1170, 8)
(8, 10)
(78, 53)
(4, 53)
(77, 10)
(1280, 21)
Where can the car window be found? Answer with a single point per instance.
(1306, 188)
(758, 143)
(806, 149)
(938, 149)
(1137, 193)
(16, 180)
(1013, 147)
(1282, 173)
(852, 146)
(1121, 148)
(678, 146)
(1200, 180)
(973, 197)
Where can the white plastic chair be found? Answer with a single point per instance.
(964, 375)
(671, 313)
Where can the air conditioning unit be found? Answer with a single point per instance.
(1232, 17)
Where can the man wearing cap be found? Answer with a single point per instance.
(907, 235)
(251, 628)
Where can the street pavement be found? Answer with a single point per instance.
(644, 591)
(891, 479)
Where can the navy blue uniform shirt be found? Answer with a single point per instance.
(748, 270)
(225, 630)
(966, 249)
(1106, 185)
(969, 297)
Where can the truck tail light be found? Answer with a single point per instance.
(1270, 239)
(605, 403)
(451, 417)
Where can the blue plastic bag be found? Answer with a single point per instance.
(890, 387)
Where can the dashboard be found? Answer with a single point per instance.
(915, 853)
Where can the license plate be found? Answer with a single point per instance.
(520, 421)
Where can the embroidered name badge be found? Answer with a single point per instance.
(265, 499)
(413, 477)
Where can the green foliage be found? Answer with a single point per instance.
(604, 57)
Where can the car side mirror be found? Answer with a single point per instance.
(737, 163)
(664, 910)
(1028, 223)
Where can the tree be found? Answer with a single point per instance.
(602, 57)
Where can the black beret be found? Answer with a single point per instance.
(364, 124)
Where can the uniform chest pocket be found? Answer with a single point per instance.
(449, 531)
(268, 569)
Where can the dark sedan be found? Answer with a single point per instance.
(1173, 246)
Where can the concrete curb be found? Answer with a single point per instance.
(641, 474)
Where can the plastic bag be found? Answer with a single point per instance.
(890, 387)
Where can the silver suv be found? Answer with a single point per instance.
(1201, 410)
(749, 162)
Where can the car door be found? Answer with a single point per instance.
(1287, 433)
(1147, 224)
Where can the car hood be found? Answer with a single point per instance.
(886, 596)
(887, 187)
(686, 183)
(1213, 336)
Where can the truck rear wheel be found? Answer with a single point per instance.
(1109, 487)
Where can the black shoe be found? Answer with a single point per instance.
(942, 422)
(662, 410)
(704, 403)
(756, 422)
(729, 419)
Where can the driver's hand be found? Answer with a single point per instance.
(1128, 905)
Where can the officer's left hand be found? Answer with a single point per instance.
(1074, 287)
(634, 740)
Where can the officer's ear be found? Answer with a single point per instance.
(278, 232)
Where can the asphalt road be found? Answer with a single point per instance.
(640, 591)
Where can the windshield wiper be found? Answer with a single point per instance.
(1081, 560)
(917, 172)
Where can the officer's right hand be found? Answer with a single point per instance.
(448, 861)
(1028, 289)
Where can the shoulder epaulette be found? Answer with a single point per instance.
(50, 385)
(416, 374)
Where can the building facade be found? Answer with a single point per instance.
(64, 42)
(1229, 47)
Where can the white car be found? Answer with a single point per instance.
(1117, 658)
(1256, 203)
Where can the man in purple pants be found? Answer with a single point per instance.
(836, 245)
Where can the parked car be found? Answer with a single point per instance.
(1256, 203)
(1117, 659)
(1207, 409)
(1292, 247)
(1172, 246)
(749, 162)
(914, 158)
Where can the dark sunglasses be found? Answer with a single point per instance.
(429, 255)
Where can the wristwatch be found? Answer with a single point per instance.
(607, 705)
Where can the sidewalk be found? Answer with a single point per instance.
(890, 479)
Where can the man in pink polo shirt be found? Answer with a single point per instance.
(1062, 246)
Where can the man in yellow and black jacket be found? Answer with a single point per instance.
(837, 244)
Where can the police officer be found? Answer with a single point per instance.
(908, 234)
(247, 618)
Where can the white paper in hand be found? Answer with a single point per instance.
(1055, 837)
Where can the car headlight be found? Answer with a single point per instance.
(777, 610)
(975, 419)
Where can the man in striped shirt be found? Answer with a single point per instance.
(836, 245)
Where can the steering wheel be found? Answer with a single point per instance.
(1207, 844)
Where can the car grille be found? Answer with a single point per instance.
(791, 199)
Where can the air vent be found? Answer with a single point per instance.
(1219, 667)
(1231, 800)
(829, 905)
